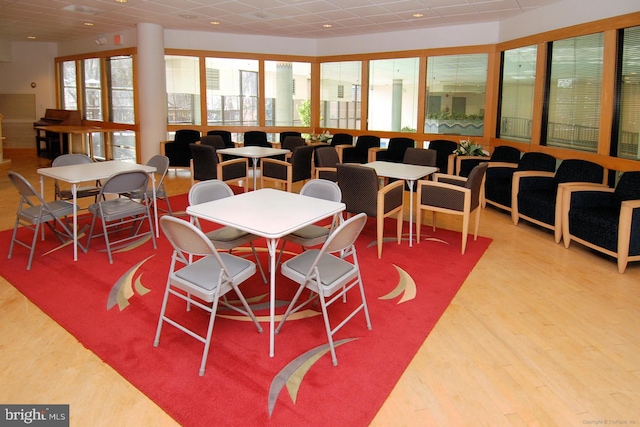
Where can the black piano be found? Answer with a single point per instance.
(48, 144)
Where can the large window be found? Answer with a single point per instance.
(287, 91)
(69, 83)
(120, 81)
(92, 89)
(183, 90)
(575, 84)
(516, 93)
(340, 94)
(629, 84)
(232, 92)
(393, 94)
(456, 91)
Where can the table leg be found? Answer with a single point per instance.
(411, 183)
(272, 245)
(74, 191)
(255, 165)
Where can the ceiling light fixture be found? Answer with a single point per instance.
(88, 24)
(31, 37)
(417, 15)
(327, 25)
(214, 23)
(121, 1)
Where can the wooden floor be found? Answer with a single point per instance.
(538, 335)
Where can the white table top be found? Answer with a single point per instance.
(253, 151)
(401, 170)
(267, 212)
(75, 174)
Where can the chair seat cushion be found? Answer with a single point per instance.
(59, 208)
(538, 204)
(331, 268)
(118, 208)
(597, 225)
(205, 272)
(311, 232)
(226, 234)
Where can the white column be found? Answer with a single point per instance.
(152, 90)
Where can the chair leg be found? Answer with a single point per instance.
(291, 309)
(327, 328)
(418, 223)
(156, 341)
(33, 245)
(207, 342)
(379, 233)
(255, 254)
(399, 226)
(13, 237)
(465, 231)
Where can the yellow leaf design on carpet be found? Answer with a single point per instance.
(406, 286)
(122, 290)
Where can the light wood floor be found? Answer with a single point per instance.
(538, 335)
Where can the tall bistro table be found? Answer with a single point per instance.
(271, 214)
(76, 174)
(254, 153)
(409, 173)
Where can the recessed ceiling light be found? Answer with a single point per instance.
(89, 24)
(31, 37)
(417, 15)
(327, 25)
(214, 23)
(121, 1)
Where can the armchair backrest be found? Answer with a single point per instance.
(535, 161)
(225, 135)
(284, 135)
(205, 161)
(505, 153)
(474, 183)
(214, 141)
(256, 138)
(359, 186)
(365, 142)
(420, 156)
(341, 139)
(628, 187)
(327, 157)
(301, 163)
(186, 137)
(444, 148)
(396, 149)
(577, 170)
(292, 141)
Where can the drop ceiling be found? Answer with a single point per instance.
(61, 20)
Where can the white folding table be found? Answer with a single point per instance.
(76, 174)
(271, 214)
(409, 173)
(254, 153)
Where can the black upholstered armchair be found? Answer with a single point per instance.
(360, 193)
(178, 150)
(326, 163)
(499, 177)
(284, 135)
(341, 139)
(358, 153)
(605, 219)
(256, 138)
(445, 158)
(394, 152)
(297, 168)
(537, 197)
(225, 135)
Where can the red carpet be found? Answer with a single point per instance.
(113, 311)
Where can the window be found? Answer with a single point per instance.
(69, 84)
(183, 90)
(629, 95)
(574, 91)
(287, 86)
(92, 89)
(120, 81)
(232, 98)
(393, 94)
(456, 92)
(336, 110)
(516, 93)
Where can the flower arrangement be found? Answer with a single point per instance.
(314, 138)
(469, 148)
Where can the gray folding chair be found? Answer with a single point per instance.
(313, 235)
(225, 238)
(81, 191)
(33, 211)
(121, 213)
(161, 163)
(199, 270)
(328, 276)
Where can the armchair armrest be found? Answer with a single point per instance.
(229, 170)
(515, 188)
(458, 203)
(579, 194)
(372, 154)
(324, 169)
(502, 165)
(163, 149)
(340, 148)
(390, 198)
(449, 179)
(460, 159)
